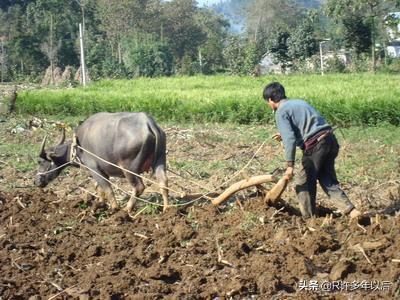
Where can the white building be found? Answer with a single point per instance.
(393, 29)
(267, 65)
(393, 49)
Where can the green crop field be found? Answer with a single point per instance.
(344, 99)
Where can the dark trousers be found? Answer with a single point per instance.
(318, 163)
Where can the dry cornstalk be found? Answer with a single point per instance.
(57, 201)
(365, 230)
(82, 213)
(312, 229)
(363, 253)
(189, 197)
(276, 212)
(137, 214)
(240, 204)
(372, 245)
(219, 250)
(14, 263)
(63, 291)
(396, 260)
(55, 285)
(140, 235)
(219, 253)
(327, 221)
(243, 184)
(377, 219)
(20, 202)
(88, 192)
(225, 262)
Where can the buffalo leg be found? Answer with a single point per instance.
(106, 191)
(163, 181)
(137, 189)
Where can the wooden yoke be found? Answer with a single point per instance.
(243, 184)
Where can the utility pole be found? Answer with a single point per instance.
(83, 69)
(321, 55)
(82, 26)
(3, 59)
(200, 61)
(51, 50)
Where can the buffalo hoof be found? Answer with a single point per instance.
(99, 205)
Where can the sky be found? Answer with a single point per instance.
(207, 2)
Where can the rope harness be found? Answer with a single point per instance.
(75, 160)
(52, 170)
(73, 157)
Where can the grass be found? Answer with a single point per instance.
(344, 99)
(369, 153)
(250, 220)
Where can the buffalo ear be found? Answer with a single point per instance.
(50, 155)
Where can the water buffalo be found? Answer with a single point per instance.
(132, 141)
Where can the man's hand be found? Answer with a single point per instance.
(277, 137)
(289, 173)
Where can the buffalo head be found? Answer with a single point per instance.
(51, 161)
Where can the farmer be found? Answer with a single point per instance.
(301, 125)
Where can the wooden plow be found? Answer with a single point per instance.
(271, 197)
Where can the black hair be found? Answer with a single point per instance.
(275, 91)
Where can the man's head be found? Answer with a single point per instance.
(274, 92)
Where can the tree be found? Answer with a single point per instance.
(282, 29)
(372, 13)
(278, 46)
(47, 22)
(50, 48)
(183, 33)
(234, 54)
(356, 34)
(5, 4)
(148, 57)
(266, 16)
(302, 43)
(21, 46)
(120, 19)
(210, 52)
(242, 55)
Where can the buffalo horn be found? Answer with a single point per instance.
(62, 137)
(42, 153)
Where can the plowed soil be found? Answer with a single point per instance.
(54, 246)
